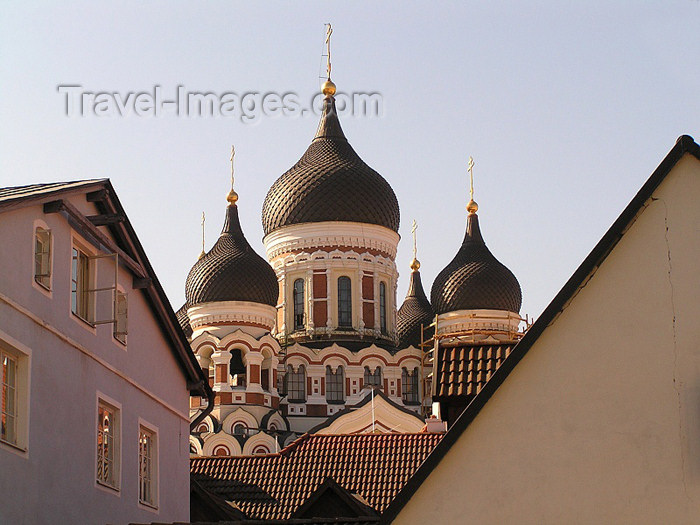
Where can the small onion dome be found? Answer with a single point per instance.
(475, 280)
(414, 312)
(330, 183)
(231, 270)
(184, 320)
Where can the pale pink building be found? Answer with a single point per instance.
(96, 372)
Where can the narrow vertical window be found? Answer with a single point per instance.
(147, 466)
(382, 307)
(237, 369)
(8, 430)
(42, 257)
(298, 293)
(409, 386)
(335, 385)
(296, 384)
(107, 445)
(344, 302)
(80, 280)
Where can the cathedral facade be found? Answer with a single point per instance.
(295, 342)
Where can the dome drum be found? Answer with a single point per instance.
(481, 324)
(222, 317)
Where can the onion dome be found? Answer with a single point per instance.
(330, 183)
(414, 312)
(475, 279)
(184, 320)
(231, 270)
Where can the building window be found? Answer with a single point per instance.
(373, 378)
(296, 384)
(9, 398)
(240, 429)
(107, 445)
(42, 257)
(335, 385)
(148, 456)
(298, 304)
(121, 305)
(80, 285)
(382, 307)
(409, 386)
(344, 302)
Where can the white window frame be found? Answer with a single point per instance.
(109, 404)
(43, 278)
(145, 427)
(21, 356)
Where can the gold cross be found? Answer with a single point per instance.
(414, 227)
(470, 169)
(233, 153)
(329, 32)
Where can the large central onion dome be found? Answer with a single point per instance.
(475, 279)
(330, 183)
(231, 270)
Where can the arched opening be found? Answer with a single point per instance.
(373, 378)
(260, 449)
(221, 450)
(240, 429)
(298, 299)
(335, 385)
(344, 302)
(237, 368)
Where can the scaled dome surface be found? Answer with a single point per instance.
(231, 270)
(414, 312)
(475, 279)
(330, 183)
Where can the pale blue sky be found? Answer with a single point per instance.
(566, 107)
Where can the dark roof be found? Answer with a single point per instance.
(207, 506)
(684, 145)
(475, 279)
(330, 183)
(463, 369)
(184, 320)
(101, 192)
(414, 312)
(330, 500)
(232, 270)
(273, 486)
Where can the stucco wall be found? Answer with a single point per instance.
(54, 481)
(600, 421)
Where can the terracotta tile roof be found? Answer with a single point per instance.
(463, 370)
(273, 486)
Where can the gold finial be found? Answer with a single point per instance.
(232, 196)
(415, 263)
(203, 252)
(472, 206)
(328, 87)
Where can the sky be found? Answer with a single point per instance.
(566, 108)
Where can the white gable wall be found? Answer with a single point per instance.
(600, 421)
